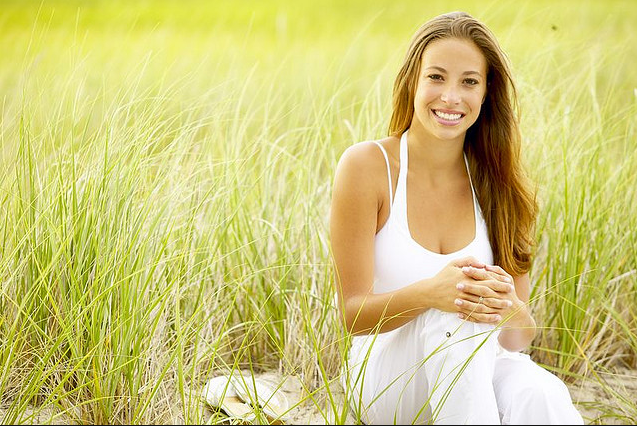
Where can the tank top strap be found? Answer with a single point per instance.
(473, 191)
(466, 163)
(403, 155)
(400, 203)
(389, 181)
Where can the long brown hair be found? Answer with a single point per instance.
(492, 143)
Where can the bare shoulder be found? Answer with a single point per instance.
(361, 175)
(367, 156)
(360, 190)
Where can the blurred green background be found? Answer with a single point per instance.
(166, 176)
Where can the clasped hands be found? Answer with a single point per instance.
(478, 292)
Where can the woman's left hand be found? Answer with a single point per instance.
(477, 298)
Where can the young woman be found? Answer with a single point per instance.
(432, 240)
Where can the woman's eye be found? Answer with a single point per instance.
(435, 77)
(471, 81)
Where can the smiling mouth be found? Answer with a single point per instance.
(448, 116)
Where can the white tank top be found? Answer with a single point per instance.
(398, 259)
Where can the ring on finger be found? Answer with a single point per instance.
(480, 299)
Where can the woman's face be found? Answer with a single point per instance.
(451, 88)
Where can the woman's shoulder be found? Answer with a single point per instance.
(366, 155)
(361, 172)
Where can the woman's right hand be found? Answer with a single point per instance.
(484, 296)
(449, 285)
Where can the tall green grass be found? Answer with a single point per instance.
(166, 178)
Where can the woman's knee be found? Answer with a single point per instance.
(545, 389)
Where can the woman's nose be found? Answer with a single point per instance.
(450, 95)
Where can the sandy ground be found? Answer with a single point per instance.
(588, 397)
(620, 392)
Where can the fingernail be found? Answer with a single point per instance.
(466, 269)
(511, 288)
(509, 303)
(459, 286)
(498, 317)
(458, 302)
(460, 316)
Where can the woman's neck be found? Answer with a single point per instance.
(434, 159)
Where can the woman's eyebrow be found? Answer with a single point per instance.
(441, 69)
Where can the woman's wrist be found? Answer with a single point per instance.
(428, 293)
(518, 329)
(519, 317)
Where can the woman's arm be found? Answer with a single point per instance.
(356, 201)
(357, 196)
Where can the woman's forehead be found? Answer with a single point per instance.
(454, 54)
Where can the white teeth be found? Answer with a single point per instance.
(451, 117)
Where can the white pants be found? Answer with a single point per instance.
(442, 370)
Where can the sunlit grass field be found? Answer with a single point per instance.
(165, 180)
